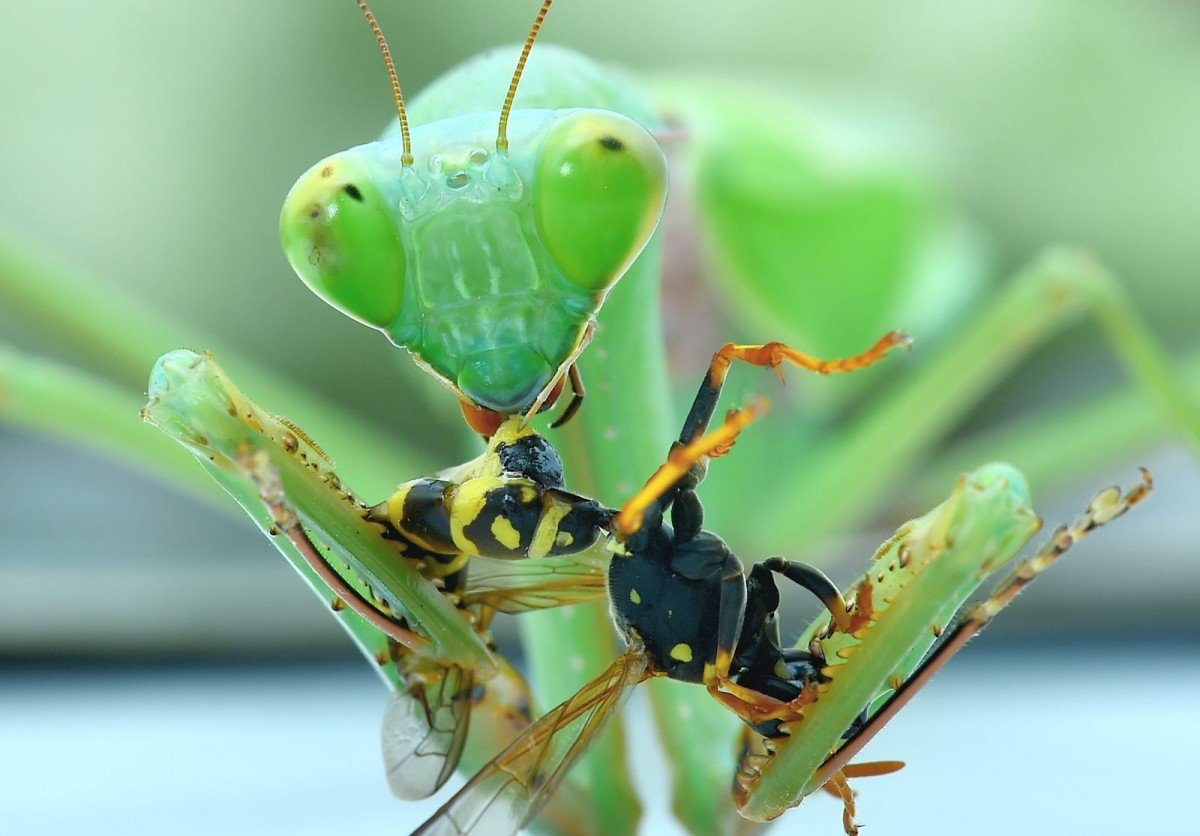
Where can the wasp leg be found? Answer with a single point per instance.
(756, 752)
(680, 462)
(731, 614)
(773, 355)
(872, 769)
(841, 788)
(750, 704)
(578, 393)
(757, 709)
(816, 582)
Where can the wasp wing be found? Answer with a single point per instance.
(516, 586)
(510, 790)
(425, 727)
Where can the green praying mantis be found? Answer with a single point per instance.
(976, 358)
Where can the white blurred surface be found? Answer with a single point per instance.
(1083, 739)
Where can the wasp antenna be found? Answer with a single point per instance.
(406, 158)
(502, 133)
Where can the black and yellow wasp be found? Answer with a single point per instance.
(508, 504)
(499, 533)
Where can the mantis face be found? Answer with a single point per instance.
(489, 266)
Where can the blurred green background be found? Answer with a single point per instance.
(152, 144)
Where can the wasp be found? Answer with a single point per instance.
(509, 505)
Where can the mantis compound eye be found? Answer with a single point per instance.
(342, 240)
(599, 191)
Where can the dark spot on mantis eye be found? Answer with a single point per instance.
(611, 143)
(327, 171)
(353, 191)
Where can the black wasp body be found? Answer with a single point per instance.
(683, 595)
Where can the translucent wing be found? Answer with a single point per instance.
(516, 586)
(509, 791)
(425, 727)
(501, 708)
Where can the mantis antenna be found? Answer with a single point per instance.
(502, 134)
(406, 158)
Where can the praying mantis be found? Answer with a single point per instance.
(812, 475)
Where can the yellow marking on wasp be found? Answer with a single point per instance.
(470, 499)
(681, 652)
(633, 596)
(547, 535)
(465, 543)
(438, 569)
(395, 505)
(505, 534)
